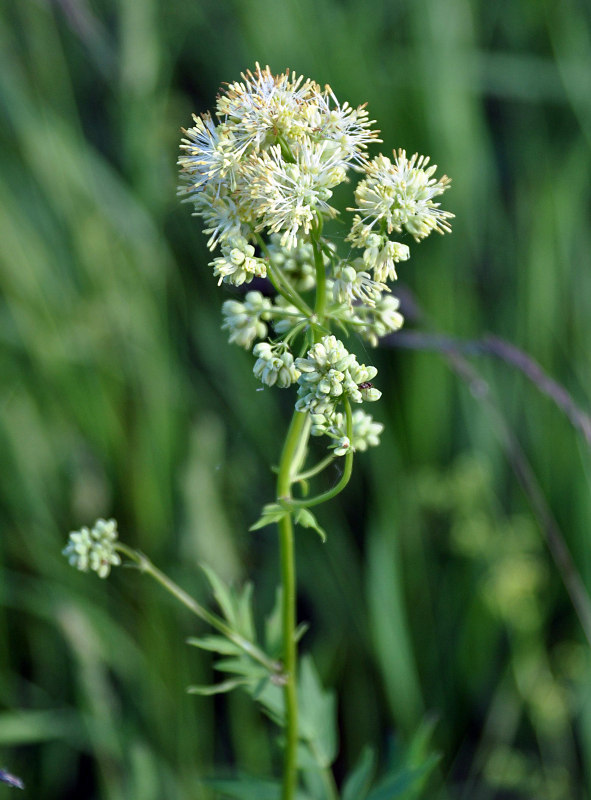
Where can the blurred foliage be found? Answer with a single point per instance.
(120, 397)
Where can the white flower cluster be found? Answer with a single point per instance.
(93, 549)
(269, 162)
(261, 174)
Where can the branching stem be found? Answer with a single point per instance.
(145, 565)
(308, 502)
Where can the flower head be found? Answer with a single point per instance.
(287, 196)
(210, 156)
(224, 218)
(400, 195)
(348, 129)
(264, 106)
(261, 172)
(269, 162)
(93, 549)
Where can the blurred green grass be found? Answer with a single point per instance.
(121, 397)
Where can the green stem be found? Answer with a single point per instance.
(309, 473)
(291, 459)
(344, 480)
(280, 282)
(320, 306)
(145, 565)
(275, 277)
(330, 787)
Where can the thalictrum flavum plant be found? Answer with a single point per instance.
(260, 174)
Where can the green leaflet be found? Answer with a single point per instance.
(235, 605)
(317, 708)
(217, 688)
(273, 513)
(359, 781)
(405, 784)
(305, 518)
(247, 788)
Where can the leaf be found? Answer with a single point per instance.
(314, 779)
(246, 789)
(271, 514)
(305, 518)
(420, 745)
(358, 783)
(270, 697)
(222, 594)
(274, 626)
(250, 789)
(317, 715)
(305, 758)
(244, 617)
(410, 766)
(406, 783)
(217, 688)
(242, 666)
(215, 644)
(301, 630)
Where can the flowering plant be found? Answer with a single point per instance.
(260, 174)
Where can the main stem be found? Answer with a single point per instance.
(287, 467)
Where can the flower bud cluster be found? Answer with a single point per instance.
(274, 365)
(245, 320)
(93, 549)
(297, 264)
(366, 431)
(329, 372)
(238, 265)
(381, 255)
(380, 320)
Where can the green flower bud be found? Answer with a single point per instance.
(245, 320)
